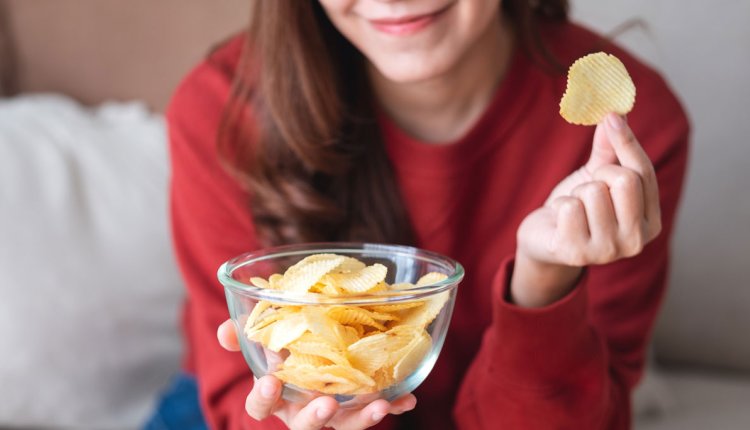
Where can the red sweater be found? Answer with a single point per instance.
(571, 365)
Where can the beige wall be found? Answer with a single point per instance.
(97, 49)
(703, 48)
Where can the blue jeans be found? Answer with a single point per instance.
(178, 408)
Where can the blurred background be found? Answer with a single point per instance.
(89, 294)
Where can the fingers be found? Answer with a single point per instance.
(626, 191)
(602, 152)
(403, 404)
(572, 231)
(600, 217)
(631, 155)
(227, 335)
(315, 414)
(261, 401)
(373, 413)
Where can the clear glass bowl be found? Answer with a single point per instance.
(405, 264)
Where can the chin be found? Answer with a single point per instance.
(411, 70)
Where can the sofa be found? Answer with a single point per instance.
(90, 293)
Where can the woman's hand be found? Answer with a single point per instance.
(605, 211)
(265, 400)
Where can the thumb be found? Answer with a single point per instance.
(602, 151)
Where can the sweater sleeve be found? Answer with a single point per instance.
(574, 363)
(211, 223)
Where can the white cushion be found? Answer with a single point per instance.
(90, 293)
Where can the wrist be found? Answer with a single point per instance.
(537, 283)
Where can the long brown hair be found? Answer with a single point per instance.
(299, 130)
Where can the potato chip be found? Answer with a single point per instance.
(359, 328)
(423, 316)
(380, 287)
(257, 311)
(320, 324)
(274, 281)
(260, 282)
(349, 315)
(394, 307)
(400, 286)
(597, 85)
(359, 281)
(311, 378)
(261, 335)
(352, 334)
(300, 277)
(414, 353)
(373, 352)
(312, 344)
(349, 373)
(384, 378)
(286, 331)
(297, 360)
(431, 278)
(327, 289)
(350, 265)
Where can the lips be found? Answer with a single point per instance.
(406, 25)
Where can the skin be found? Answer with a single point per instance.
(435, 84)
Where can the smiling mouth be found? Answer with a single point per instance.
(407, 25)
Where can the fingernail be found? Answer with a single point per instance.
(267, 391)
(615, 121)
(323, 413)
(377, 416)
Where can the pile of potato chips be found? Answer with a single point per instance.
(597, 85)
(338, 349)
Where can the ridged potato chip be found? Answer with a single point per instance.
(311, 378)
(597, 85)
(274, 281)
(298, 360)
(394, 307)
(431, 278)
(350, 265)
(286, 331)
(349, 373)
(359, 281)
(302, 276)
(260, 282)
(349, 315)
(423, 315)
(311, 344)
(375, 351)
(413, 354)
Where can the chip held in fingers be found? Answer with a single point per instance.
(344, 349)
(597, 85)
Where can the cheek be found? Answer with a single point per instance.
(334, 4)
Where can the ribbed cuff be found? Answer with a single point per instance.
(539, 347)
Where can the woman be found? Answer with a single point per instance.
(433, 123)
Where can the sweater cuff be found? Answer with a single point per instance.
(539, 347)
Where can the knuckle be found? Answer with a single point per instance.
(609, 251)
(571, 205)
(256, 409)
(628, 180)
(595, 190)
(635, 244)
(575, 257)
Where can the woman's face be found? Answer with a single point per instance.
(413, 40)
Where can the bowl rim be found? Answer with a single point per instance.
(225, 271)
